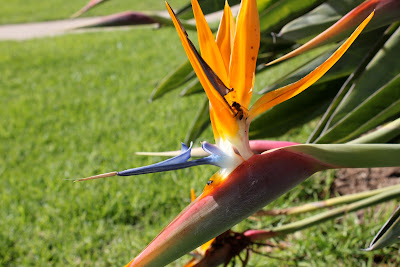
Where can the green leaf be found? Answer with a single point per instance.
(343, 68)
(322, 17)
(193, 87)
(200, 122)
(386, 12)
(375, 77)
(176, 78)
(352, 155)
(388, 234)
(383, 134)
(376, 109)
(276, 15)
(264, 4)
(350, 80)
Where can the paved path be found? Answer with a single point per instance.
(25, 31)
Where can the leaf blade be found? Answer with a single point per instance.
(388, 234)
(173, 80)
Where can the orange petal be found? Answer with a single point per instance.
(214, 125)
(208, 47)
(225, 35)
(192, 195)
(282, 94)
(224, 117)
(203, 248)
(244, 52)
(191, 263)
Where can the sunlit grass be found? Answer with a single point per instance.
(75, 106)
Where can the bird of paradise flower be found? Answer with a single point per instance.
(246, 181)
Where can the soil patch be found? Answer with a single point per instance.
(350, 181)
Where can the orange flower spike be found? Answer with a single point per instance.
(225, 35)
(282, 94)
(208, 47)
(223, 112)
(244, 52)
(211, 53)
(229, 116)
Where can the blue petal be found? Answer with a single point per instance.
(184, 147)
(212, 149)
(166, 165)
(217, 158)
(183, 157)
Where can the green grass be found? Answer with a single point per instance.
(75, 106)
(18, 11)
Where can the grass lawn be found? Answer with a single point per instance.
(18, 11)
(77, 105)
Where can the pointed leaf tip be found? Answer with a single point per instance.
(225, 35)
(208, 47)
(244, 52)
(388, 234)
(87, 7)
(104, 175)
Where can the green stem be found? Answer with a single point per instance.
(326, 203)
(334, 213)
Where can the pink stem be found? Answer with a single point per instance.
(259, 146)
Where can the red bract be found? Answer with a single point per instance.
(251, 186)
